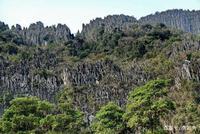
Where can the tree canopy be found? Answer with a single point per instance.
(146, 105)
(31, 115)
(108, 120)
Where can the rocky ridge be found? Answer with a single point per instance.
(188, 21)
(185, 20)
(38, 34)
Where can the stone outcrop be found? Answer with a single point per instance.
(38, 34)
(188, 21)
(107, 24)
(34, 77)
(96, 84)
(187, 46)
(185, 20)
(189, 70)
(110, 22)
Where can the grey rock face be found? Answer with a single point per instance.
(25, 78)
(37, 34)
(188, 21)
(103, 71)
(107, 24)
(95, 84)
(190, 70)
(185, 20)
(187, 69)
(186, 46)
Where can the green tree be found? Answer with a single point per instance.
(108, 120)
(24, 114)
(69, 118)
(31, 115)
(146, 105)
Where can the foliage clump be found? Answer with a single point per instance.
(146, 105)
(31, 115)
(108, 120)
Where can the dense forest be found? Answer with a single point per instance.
(118, 75)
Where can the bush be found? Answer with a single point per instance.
(108, 120)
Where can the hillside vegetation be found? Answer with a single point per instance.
(122, 78)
